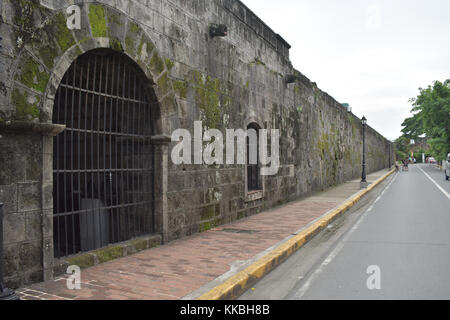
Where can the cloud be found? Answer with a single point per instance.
(373, 17)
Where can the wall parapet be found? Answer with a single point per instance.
(248, 17)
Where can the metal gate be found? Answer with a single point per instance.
(103, 161)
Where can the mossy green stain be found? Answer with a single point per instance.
(24, 17)
(78, 51)
(115, 44)
(323, 145)
(134, 27)
(48, 55)
(209, 213)
(31, 76)
(130, 45)
(169, 64)
(97, 20)
(24, 110)
(205, 226)
(163, 83)
(141, 45)
(257, 62)
(82, 261)
(63, 35)
(109, 254)
(140, 245)
(181, 88)
(156, 64)
(207, 96)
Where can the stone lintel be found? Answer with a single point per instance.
(18, 127)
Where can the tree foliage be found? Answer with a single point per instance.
(431, 109)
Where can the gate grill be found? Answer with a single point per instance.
(103, 161)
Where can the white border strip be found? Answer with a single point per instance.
(437, 185)
(305, 287)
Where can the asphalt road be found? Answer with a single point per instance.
(394, 245)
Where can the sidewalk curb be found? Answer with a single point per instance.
(233, 287)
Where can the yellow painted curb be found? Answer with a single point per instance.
(234, 286)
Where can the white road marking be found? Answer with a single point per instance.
(300, 293)
(437, 185)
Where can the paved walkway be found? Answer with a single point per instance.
(184, 266)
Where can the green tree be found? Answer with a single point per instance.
(431, 117)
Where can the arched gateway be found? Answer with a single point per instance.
(103, 161)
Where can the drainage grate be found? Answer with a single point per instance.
(239, 231)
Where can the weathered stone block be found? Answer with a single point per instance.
(14, 228)
(29, 196)
(30, 255)
(33, 225)
(8, 196)
(12, 162)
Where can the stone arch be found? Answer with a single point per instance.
(45, 53)
(52, 47)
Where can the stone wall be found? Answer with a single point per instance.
(227, 82)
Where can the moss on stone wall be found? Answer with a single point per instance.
(208, 225)
(169, 64)
(353, 124)
(156, 64)
(323, 145)
(181, 88)
(115, 44)
(63, 35)
(207, 97)
(108, 254)
(164, 83)
(82, 261)
(24, 18)
(26, 108)
(48, 55)
(257, 62)
(133, 27)
(131, 38)
(130, 45)
(33, 75)
(97, 20)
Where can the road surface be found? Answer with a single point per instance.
(395, 245)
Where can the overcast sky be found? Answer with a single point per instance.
(372, 54)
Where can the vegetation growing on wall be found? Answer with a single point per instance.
(25, 110)
(24, 18)
(97, 20)
(63, 35)
(115, 44)
(181, 88)
(207, 97)
(156, 64)
(33, 75)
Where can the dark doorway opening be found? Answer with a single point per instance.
(254, 182)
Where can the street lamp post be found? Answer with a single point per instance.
(364, 183)
(5, 293)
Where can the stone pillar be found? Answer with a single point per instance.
(31, 235)
(161, 167)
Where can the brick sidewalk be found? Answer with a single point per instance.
(175, 270)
